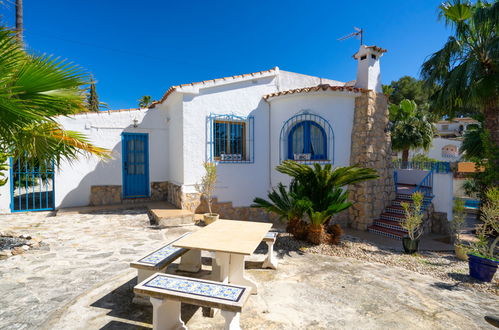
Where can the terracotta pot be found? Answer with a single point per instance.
(210, 218)
(461, 252)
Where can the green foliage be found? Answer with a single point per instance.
(407, 88)
(423, 159)
(465, 70)
(474, 143)
(490, 225)
(287, 204)
(4, 167)
(93, 99)
(411, 129)
(413, 216)
(458, 219)
(318, 183)
(33, 90)
(145, 101)
(337, 200)
(207, 185)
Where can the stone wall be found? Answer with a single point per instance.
(439, 223)
(111, 194)
(371, 147)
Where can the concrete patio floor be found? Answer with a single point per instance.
(81, 280)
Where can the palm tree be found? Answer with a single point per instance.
(33, 90)
(411, 129)
(466, 70)
(19, 21)
(145, 101)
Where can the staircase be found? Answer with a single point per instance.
(389, 221)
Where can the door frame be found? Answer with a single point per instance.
(123, 160)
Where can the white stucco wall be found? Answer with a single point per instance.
(73, 180)
(435, 150)
(444, 193)
(410, 176)
(238, 183)
(5, 194)
(337, 108)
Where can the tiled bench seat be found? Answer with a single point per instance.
(167, 292)
(270, 259)
(158, 260)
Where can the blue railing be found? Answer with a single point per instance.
(426, 188)
(437, 167)
(396, 179)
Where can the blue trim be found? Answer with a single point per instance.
(317, 120)
(134, 185)
(247, 150)
(307, 140)
(40, 176)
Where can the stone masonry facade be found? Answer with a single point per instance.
(371, 147)
(111, 194)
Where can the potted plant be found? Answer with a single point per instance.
(457, 225)
(206, 188)
(483, 259)
(412, 223)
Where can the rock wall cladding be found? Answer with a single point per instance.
(371, 147)
(111, 194)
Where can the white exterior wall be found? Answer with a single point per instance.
(336, 108)
(5, 194)
(444, 193)
(174, 165)
(238, 183)
(73, 180)
(410, 176)
(435, 150)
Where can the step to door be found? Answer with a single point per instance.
(168, 216)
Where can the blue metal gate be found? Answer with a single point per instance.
(135, 165)
(32, 186)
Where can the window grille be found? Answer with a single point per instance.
(231, 138)
(307, 138)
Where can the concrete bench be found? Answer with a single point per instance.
(158, 260)
(270, 260)
(167, 292)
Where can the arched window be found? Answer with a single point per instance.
(307, 141)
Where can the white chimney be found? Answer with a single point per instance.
(368, 71)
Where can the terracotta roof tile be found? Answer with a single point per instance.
(323, 87)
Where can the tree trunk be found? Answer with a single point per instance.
(19, 21)
(405, 155)
(491, 114)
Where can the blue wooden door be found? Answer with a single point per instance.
(135, 165)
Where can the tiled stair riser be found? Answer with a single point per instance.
(389, 226)
(388, 216)
(396, 210)
(379, 232)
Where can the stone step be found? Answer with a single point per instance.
(407, 197)
(391, 233)
(167, 215)
(395, 225)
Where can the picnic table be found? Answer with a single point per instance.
(231, 241)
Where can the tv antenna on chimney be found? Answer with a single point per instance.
(357, 34)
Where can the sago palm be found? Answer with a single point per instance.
(466, 69)
(33, 91)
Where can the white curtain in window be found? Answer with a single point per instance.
(316, 141)
(298, 146)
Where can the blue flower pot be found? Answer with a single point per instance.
(482, 269)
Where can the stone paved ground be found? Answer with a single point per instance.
(81, 280)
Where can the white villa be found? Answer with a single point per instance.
(247, 124)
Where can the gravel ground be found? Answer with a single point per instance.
(443, 266)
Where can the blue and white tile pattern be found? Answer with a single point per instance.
(201, 288)
(160, 255)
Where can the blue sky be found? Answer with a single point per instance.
(135, 48)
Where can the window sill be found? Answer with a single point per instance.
(313, 161)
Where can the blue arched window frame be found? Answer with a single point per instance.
(307, 143)
(296, 119)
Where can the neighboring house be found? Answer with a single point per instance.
(247, 124)
(448, 140)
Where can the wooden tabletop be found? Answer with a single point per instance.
(231, 236)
